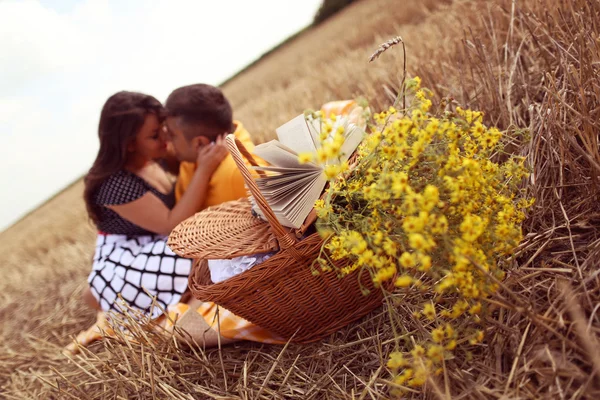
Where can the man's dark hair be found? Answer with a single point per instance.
(201, 105)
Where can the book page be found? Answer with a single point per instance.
(298, 213)
(277, 156)
(287, 202)
(283, 179)
(296, 135)
(314, 128)
(274, 170)
(292, 203)
(354, 137)
(282, 194)
(275, 189)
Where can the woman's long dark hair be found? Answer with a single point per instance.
(121, 119)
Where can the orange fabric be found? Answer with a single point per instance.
(346, 107)
(339, 107)
(226, 183)
(228, 325)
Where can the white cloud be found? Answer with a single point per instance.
(60, 60)
(35, 42)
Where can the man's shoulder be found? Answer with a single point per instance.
(242, 134)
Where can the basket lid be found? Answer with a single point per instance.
(224, 231)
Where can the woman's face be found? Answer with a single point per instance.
(150, 142)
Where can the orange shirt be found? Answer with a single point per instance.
(226, 183)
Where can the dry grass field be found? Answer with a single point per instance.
(529, 64)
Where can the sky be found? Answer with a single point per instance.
(61, 59)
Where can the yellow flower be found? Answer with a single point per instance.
(354, 242)
(321, 156)
(431, 196)
(406, 374)
(377, 238)
(477, 338)
(425, 262)
(435, 353)
(414, 83)
(425, 105)
(384, 274)
(412, 201)
(472, 227)
(420, 376)
(332, 150)
(447, 282)
(332, 171)
(399, 183)
(437, 335)
(449, 331)
(429, 311)
(396, 360)
(304, 158)
(420, 242)
(407, 260)
(403, 281)
(324, 232)
(418, 351)
(475, 309)
(418, 148)
(440, 224)
(366, 258)
(413, 225)
(416, 241)
(389, 247)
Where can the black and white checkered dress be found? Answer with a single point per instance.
(131, 261)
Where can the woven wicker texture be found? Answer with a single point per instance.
(282, 294)
(227, 230)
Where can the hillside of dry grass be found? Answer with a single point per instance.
(528, 64)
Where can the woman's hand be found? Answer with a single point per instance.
(210, 157)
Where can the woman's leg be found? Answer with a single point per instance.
(89, 299)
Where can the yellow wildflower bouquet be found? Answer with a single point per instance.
(426, 208)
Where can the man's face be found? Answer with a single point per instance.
(185, 149)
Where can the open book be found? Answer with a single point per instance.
(290, 187)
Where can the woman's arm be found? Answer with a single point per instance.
(150, 213)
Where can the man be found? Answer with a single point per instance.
(196, 116)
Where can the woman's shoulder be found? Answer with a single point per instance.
(120, 188)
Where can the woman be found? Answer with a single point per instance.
(130, 198)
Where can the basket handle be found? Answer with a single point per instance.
(248, 156)
(236, 149)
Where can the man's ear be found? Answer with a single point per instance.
(195, 143)
(200, 141)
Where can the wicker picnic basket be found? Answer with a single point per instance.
(282, 294)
